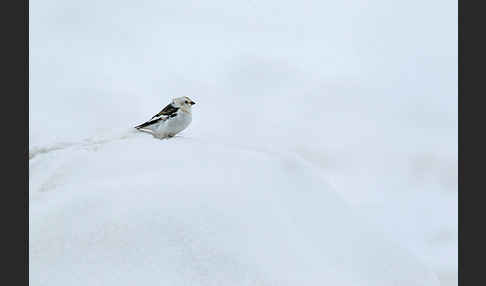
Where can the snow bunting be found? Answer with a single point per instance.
(174, 118)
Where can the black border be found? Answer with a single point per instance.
(471, 65)
(460, 86)
(26, 152)
(14, 212)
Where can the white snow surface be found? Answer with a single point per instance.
(190, 212)
(322, 151)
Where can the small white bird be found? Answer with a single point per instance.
(174, 118)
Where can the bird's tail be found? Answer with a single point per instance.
(143, 125)
(148, 123)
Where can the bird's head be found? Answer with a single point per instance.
(183, 102)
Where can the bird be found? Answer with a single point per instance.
(172, 119)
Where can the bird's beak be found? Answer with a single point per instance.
(192, 102)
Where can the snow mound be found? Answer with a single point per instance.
(140, 211)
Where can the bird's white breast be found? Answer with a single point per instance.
(174, 125)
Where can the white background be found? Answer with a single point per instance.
(363, 93)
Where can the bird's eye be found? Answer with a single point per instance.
(187, 101)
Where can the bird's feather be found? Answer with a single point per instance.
(150, 122)
(168, 110)
(157, 118)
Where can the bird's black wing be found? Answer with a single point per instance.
(150, 122)
(168, 111)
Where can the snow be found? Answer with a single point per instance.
(191, 212)
(323, 146)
